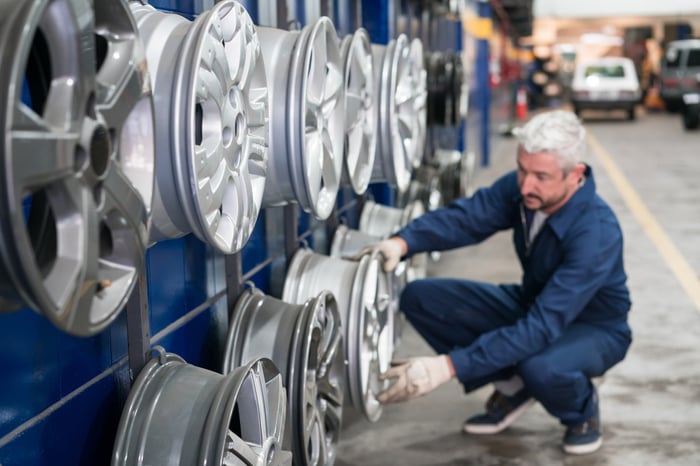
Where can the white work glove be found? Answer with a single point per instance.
(415, 378)
(392, 250)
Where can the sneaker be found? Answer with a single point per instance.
(501, 411)
(584, 438)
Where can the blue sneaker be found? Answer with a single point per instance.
(584, 438)
(501, 411)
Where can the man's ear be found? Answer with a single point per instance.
(578, 171)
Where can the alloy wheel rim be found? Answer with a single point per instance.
(306, 81)
(76, 255)
(396, 122)
(305, 341)
(419, 99)
(360, 290)
(237, 418)
(316, 91)
(360, 111)
(212, 130)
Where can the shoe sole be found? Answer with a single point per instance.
(583, 449)
(481, 429)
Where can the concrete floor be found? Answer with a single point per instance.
(650, 402)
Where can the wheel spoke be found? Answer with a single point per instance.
(354, 110)
(330, 391)
(121, 196)
(329, 160)
(323, 450)
(47, 157)
(319, 69)
(276, 408)
(236, 41)
(333, 86)
(60, 108)
(238, 452)
(73, 276)
(406, 123)
(314, 163)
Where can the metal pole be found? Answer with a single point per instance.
(138, 331)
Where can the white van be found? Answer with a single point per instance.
(608, 83)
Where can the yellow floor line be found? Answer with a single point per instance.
(673, 257)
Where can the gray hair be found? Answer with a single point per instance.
(558, 132)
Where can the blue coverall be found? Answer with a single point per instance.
(565, 323)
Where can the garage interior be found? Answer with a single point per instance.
(184, 180)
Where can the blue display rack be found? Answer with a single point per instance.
(61, 396)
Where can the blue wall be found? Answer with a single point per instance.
(61, 396)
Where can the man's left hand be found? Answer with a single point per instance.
(415, 378)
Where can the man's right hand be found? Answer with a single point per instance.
(392, 249)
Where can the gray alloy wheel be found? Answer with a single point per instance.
(383, 221)
(306, 91)
(419, 101)
(180, 414)
(360, 110)
(305, 341)
(212, 132)
(397, 124)
(77, 160)
(362, 293)
(348, 243)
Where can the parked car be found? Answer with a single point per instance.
(680, 67)
(608, 83)
(691, 109)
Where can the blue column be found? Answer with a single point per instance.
(482, 77)
(251, 6)
(379, 18)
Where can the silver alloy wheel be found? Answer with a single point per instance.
(306, 89)
(177, 413)
(212, 123)
(420, 100)
(383, 221)
(362, 293)
(396, 121)
(360, 110)
(77, 160)
(348, 242)
(305, 341)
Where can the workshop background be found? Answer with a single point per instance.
(182, 183)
